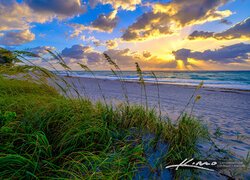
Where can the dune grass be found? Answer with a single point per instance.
(46, 135)
(52, 134)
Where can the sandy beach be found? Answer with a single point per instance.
(125, 89)
(225, 109)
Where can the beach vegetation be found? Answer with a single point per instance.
(48, 133)
(7, 57)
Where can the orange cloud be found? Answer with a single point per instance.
(167, 18)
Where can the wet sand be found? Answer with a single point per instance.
(226, 109)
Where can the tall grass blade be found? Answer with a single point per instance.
(142, 82)
(158, 93)
(119, 75)
(86, 68)
(190, 99)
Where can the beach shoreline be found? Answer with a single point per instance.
(166, 83)
(224, 109)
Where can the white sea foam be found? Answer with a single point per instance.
(220, 79)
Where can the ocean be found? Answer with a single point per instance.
(217, 79)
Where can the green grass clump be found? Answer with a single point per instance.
(46, 135)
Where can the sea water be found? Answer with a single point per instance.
(218, 79)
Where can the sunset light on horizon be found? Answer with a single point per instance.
(159, 35)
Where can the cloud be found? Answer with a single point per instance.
(79, 28)
(97, 43)
(148, 25)
(92, 40)
(19, 16)
(13, 38)
(76, 51)
(225, 21)
(104, 23)
(227, 54)
(167, 18)
(200, 35)
(61, 7)
(239, 30)
(116, 4)
(126, 59)
(83, 53)
(146, 54)
(111, 44)
(40, 50)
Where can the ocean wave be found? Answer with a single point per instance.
(230, 79)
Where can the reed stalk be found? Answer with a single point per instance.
(142, 82)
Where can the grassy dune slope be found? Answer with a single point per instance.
(45, 135)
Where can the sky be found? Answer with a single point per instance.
(159, 35)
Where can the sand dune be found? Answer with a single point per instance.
(223, 108)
